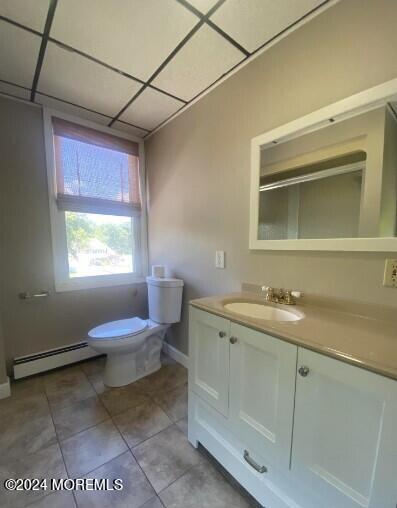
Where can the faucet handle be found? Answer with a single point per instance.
(269, 292)
(290, 297)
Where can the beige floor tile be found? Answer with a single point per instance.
(29, 386)
(136, 488)
(182, 424)
(153, 503)
(77, 416)
(118, 400)
(20, 435)
(93, 366)
(96, 380)
(91, 448)
(165, 457)
(173, 402)
(141, 422)
(46, 463)
(27, 406)
(168, 377)
(61, 499)
(64, 387)
(202, 487)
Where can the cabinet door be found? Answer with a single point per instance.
(262, 386)
(345, 434)
(209, 354)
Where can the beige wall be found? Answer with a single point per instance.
(199, 164)
(3, 374)
(25, 249)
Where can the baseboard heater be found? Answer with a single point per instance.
(47, 360)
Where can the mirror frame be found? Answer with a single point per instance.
(346, 108)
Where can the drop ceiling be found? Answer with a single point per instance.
(132, 64)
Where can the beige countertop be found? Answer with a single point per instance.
(368, 341)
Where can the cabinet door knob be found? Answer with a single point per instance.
(233, 340)
(304, 371)
(222, 334)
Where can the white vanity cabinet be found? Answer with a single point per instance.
(296, 428)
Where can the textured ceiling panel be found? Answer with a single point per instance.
(129, 129)
(31, 13)
(134, 36)
(13, 90)
(18, 54)
(70, 77)
(150, 109)
(205, 58)
(70, 109)
(253, 22)
(203, 5)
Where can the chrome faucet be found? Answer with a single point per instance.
(282, 296)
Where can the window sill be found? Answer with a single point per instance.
(98, 281)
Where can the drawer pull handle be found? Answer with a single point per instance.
(233, 340)
(222, 334)
(252, 463)
(28, 296)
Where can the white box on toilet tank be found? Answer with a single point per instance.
(165, 299)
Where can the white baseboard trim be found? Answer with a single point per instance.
(47, 360)
(5, 390)
(176, 355)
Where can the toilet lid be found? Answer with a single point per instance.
(118, 329)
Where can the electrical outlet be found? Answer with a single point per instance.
(220, 259)
(390, 275)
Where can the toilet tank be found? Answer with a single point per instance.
(165, 299)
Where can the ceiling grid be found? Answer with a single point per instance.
(161, 56)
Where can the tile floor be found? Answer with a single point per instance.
(67, 423)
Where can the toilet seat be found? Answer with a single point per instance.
(118, 329)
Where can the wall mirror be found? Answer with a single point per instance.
(328, 181)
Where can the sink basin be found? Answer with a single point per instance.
(261, 311)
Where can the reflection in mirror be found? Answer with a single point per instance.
(335, 182)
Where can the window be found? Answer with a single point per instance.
(96, 205)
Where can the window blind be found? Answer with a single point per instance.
(96, 172)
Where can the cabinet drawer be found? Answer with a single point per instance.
(212, 430)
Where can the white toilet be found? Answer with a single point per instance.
(133, 345)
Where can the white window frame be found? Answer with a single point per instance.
(63, 282)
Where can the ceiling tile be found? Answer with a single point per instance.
(150, 109)
(13, 90)
(70, 109)
(31, 13)
(134, 36)
(18, 55)
(129, 129)
(203, 5)
(254, 22)
(71, 77)
(205, 58)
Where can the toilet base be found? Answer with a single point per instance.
(131, 358)
(120, 370)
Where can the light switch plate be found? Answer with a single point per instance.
(220, 259)
(390, 274)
